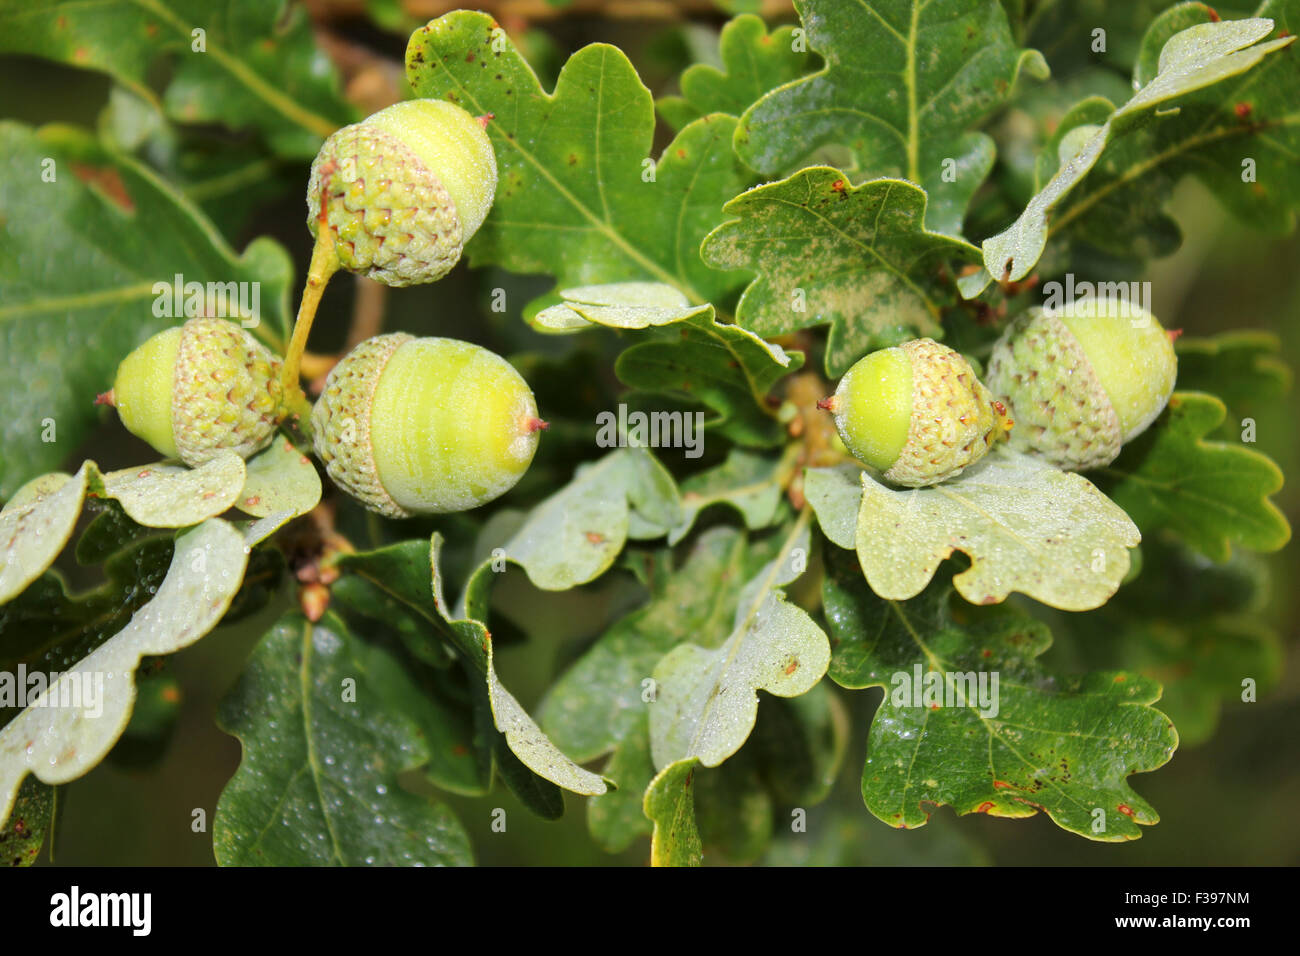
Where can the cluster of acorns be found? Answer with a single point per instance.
(406, 425)
(1071, 387)
(420, 426)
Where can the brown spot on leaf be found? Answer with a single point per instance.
(107, 182)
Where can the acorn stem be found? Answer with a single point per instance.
(324, 263)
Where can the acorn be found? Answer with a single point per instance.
(412, 426)
(916, 413)
(1083, 381)
(195, 390)
(404, 190)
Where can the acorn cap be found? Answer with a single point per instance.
(406, 188)
(340, 422)
(917, 413)
(200, 389)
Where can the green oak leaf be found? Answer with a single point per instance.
(1210, 494)
(686, 354)
(1194, 626)
(858, 258)
(1102, 169)
(1241, 367)
(1035, 741)
(49, 627)
(1025, 526)
(578, 196)
(324, 739)
(403, 574)
(279, 478)
(38, 521)
(60, 742)
(63, 330)
(169, 495)
(603, 702)
(34, 818)
(670, 804)
(599, 705)
(707, 700)
(529, 744)
(754, 61)
(904, 82)
(435, 697)
(749, 483)
(241, 62)
(576, 534)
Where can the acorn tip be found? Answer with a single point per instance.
(829, 404)
(106, 398)
(485, 119)
(536, 425)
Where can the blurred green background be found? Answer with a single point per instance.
(1227, 801)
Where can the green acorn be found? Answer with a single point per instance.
(1082, 382)
(424, 426)
(916, 413)
(404, 189)
(199, 389)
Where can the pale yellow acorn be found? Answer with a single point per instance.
(403, 190)
(1082, 382)
(413, 426)
(916, 413)
(196, 390)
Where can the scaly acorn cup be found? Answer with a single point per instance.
(199, 389)
(403, 190)
(916, 413)
(1082, 382)
(424, 426)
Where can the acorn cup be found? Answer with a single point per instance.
(411, 426)
(196, 390)
(916, 413)
(1082, 382)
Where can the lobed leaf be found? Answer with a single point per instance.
(708, 696)
(754, 61)
(1025, 525)
(578, 196)
(858, 258)
(325, 730)
(670, 804)
(73, 724)
(904, 82)
(242, 62)
(1210, 494)
(1132, 144)
(1023, 741)
(687, 355)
